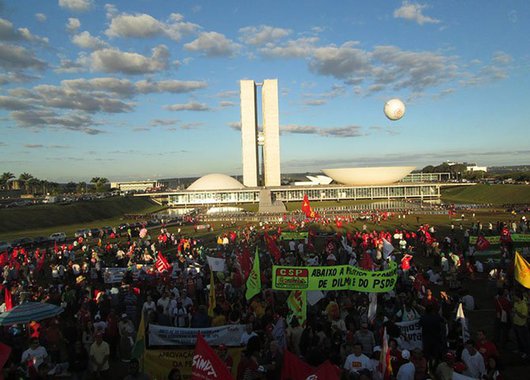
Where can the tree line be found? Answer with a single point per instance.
(29, 184)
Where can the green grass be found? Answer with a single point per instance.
(45, 219)
(493, 194)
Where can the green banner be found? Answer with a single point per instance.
(337, 277)
(516, 238)
(292, 235)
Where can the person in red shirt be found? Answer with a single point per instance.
(486, 347)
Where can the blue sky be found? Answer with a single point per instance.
(149, 89)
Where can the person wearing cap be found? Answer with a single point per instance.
(407, 369)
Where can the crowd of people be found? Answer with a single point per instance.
(103, 308)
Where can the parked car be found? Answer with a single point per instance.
(22, 242)
(4, 246)
(81, 232)
(59, 237)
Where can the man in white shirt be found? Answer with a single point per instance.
(357, 362)
(473, 360)
(163, 302)
(245, 337)
(35, 355)
(407, 369)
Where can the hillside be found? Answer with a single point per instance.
(44, 216)
(493, 194)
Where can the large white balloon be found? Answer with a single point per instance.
(394, 109)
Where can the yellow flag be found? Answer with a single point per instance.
(522, 270)
(139, 346)
(211, 298)
(254, 279)
(297, 303)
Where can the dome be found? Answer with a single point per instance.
(383, 175)
(216, 181)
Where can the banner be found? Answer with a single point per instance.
(291, 235)
(411, 333)
(337, 277)
(516, 238)
(115, 275)
(229, 335)
(158, 363)
(297, 303)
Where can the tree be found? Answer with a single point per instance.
(6, 176)
(70, 187)
(32, 185)
(25, 177)
(81, 187)
(100, 183)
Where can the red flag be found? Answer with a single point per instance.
(338, 222)
(327, 371)
(40, 261)
(482, 243)
(385, 366)
(161, 263)
(306, 207)
(246, 264)
(294, 368)
(8, 299)
(4, 258)
(55, 248)
(206, 365)
(273, 248)
(5, 352)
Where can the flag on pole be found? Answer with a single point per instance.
(462, 318)
(385, 365)
(272, 246)
(8, 300)
(216, 264)
(522, 270)
(254, 279)
(206, 365)
(161, 263)
(139, 345)
(297, 303)
(482, 243)
(388, 248)
(211, 297)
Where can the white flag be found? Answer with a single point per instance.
(388, 248)
(372, 307)
(463, 321)
(216, 264)
(313, 296)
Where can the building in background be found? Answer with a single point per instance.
(265, 172)
(134, 186)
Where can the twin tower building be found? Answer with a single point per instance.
(261, 133)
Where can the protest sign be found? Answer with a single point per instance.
(229, 335)
(411, 334)
(337, 277)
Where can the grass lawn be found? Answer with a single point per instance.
(42, 220)
(493, 194)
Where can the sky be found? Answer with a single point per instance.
(147, 89)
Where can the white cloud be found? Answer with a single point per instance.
(146, 26)
(414, 12)
(213, 44)
(73, 24)
(76, 5)
(18, 58)
(340, 62)
(9, 33)
(86, 41)
(299, 48)
(259, 35)
(172, 86)
(192, 106)
(114, 60)
(41, 17)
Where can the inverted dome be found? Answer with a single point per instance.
(216, 181)
(383, 175)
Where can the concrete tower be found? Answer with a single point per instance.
(269, 138)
